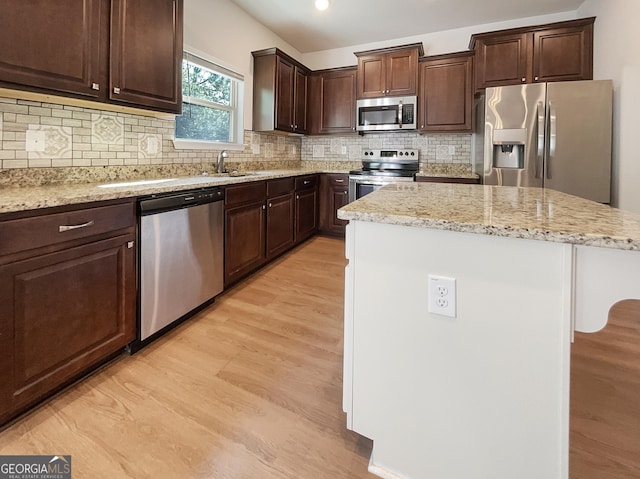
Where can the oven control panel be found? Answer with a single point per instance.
(400, 154)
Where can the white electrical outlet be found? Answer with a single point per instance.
(442, 295)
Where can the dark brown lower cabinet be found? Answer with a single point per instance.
(334, 194)
(307, 206)
(279, 224)
(64, 310)
(244, 240)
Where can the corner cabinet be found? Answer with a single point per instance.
(446, 93)
(124, 51)
(67, 297)
(559, 51)
(279, 92)
(332, 101)
(389, 71)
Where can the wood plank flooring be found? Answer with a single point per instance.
(249, 388)
(252, 388)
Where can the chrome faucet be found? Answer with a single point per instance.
(220, 163)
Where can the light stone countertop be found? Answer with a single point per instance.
(14, 199)
(528, 213)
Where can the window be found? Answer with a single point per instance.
(211, 106)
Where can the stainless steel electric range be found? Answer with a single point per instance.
(380, 168)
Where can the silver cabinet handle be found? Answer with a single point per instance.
(536, 78)
(95, 86)
(297, 197)
(346, 192)
(339, 180)
(116, 90)
(306, 182)
(264, 207)
(270, 205)
(63, 228)
(130, 244)
(524, 79)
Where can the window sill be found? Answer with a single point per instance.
(182, 144)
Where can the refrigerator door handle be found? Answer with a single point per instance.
(551, 140)
(540, 137)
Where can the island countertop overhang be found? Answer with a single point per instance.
(516, 212)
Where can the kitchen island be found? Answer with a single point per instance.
(483, 394)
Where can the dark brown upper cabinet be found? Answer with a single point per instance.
(559, 51)
(52, 45)
(119, 51)
(389, 71)
(146, 53)
(331, 101)
(279, 92)
(445, 100)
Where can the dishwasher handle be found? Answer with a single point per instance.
(158, 204)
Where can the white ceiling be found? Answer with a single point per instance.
(355, 22)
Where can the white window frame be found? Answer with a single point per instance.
(236, 108)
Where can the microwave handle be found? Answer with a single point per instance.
(400, 113)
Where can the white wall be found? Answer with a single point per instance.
(615, 56)
(227, 35)
(434, 43)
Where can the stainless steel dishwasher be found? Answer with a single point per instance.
(181, 241)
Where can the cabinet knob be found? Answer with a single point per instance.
(523, 79)
(264, 207)
(536, 78)
(345, 192)
(95, 86)
(116, 90)
(387, 91)
(130, 244)
(297, 197)
(270, 205)
(306, 182)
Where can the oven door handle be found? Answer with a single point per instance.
(400, 113)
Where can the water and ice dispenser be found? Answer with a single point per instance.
(509, 147)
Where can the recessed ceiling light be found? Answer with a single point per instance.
(322, 4)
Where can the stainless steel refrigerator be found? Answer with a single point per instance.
(553, 135)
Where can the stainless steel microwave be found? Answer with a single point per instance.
(386, 114)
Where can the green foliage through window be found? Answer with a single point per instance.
(210, 102)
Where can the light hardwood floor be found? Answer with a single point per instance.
(251, 388)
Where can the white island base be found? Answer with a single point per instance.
(484, 395)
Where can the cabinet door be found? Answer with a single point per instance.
(61, 314)
(146, 53)
(446, 94)
(300, 102)
(402, 73)
(563, 54)
(306, 214)
(285, 80)
(371, 76)
(244, 246)
(503, 60)
(334, 193)
(336, 112)
(52, 45)
(279, 224)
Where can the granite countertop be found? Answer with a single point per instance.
(528, 213)
(17, 198)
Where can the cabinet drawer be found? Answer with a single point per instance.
(306, 182)
(35, 232)
(337, 179)
(278, 187)
(237, 195)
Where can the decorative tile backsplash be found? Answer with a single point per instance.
(451, 148)
(36, 134)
